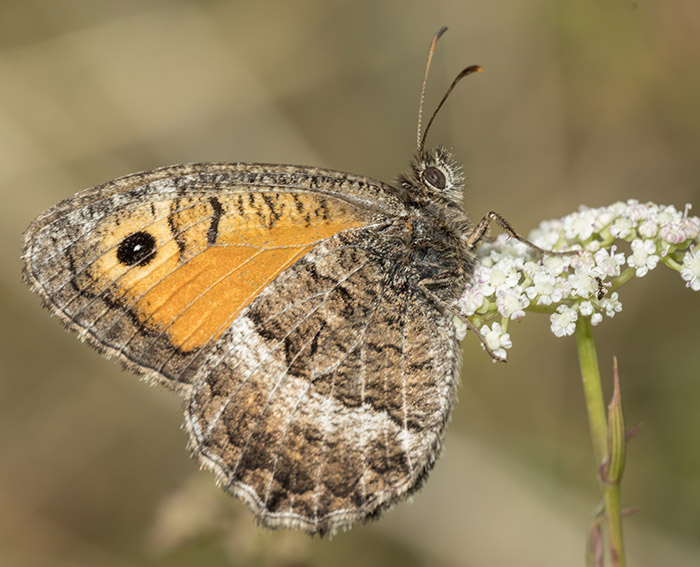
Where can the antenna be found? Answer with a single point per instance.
(436, 37)
(463, 73)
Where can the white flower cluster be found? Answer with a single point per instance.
(511, 278)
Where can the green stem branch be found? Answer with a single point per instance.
(597, 420)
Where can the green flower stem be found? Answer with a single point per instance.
(546, 309)
(671, 262)
(588, 360)
(623, 278)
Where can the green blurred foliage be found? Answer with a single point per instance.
(580, 103)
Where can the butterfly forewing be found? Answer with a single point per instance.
(153, 267)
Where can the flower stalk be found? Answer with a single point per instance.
(607, 435)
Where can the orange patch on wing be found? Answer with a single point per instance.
(197, 301)
(193, 302)
(288, 220)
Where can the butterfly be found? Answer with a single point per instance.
(304, 314)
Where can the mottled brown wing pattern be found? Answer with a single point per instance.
(327, 398)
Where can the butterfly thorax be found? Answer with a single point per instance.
(432, 192)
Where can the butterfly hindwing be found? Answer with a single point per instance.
(298, 409)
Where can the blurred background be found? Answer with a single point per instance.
(580, 103)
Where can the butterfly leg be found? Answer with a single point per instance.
(479, 232)
(474, 329)
(450, 309)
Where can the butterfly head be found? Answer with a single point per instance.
(436, 175)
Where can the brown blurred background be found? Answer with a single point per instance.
(580, 103)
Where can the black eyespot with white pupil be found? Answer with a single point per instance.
(136, 249)
(434, 177)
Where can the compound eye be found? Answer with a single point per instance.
(434, 177)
